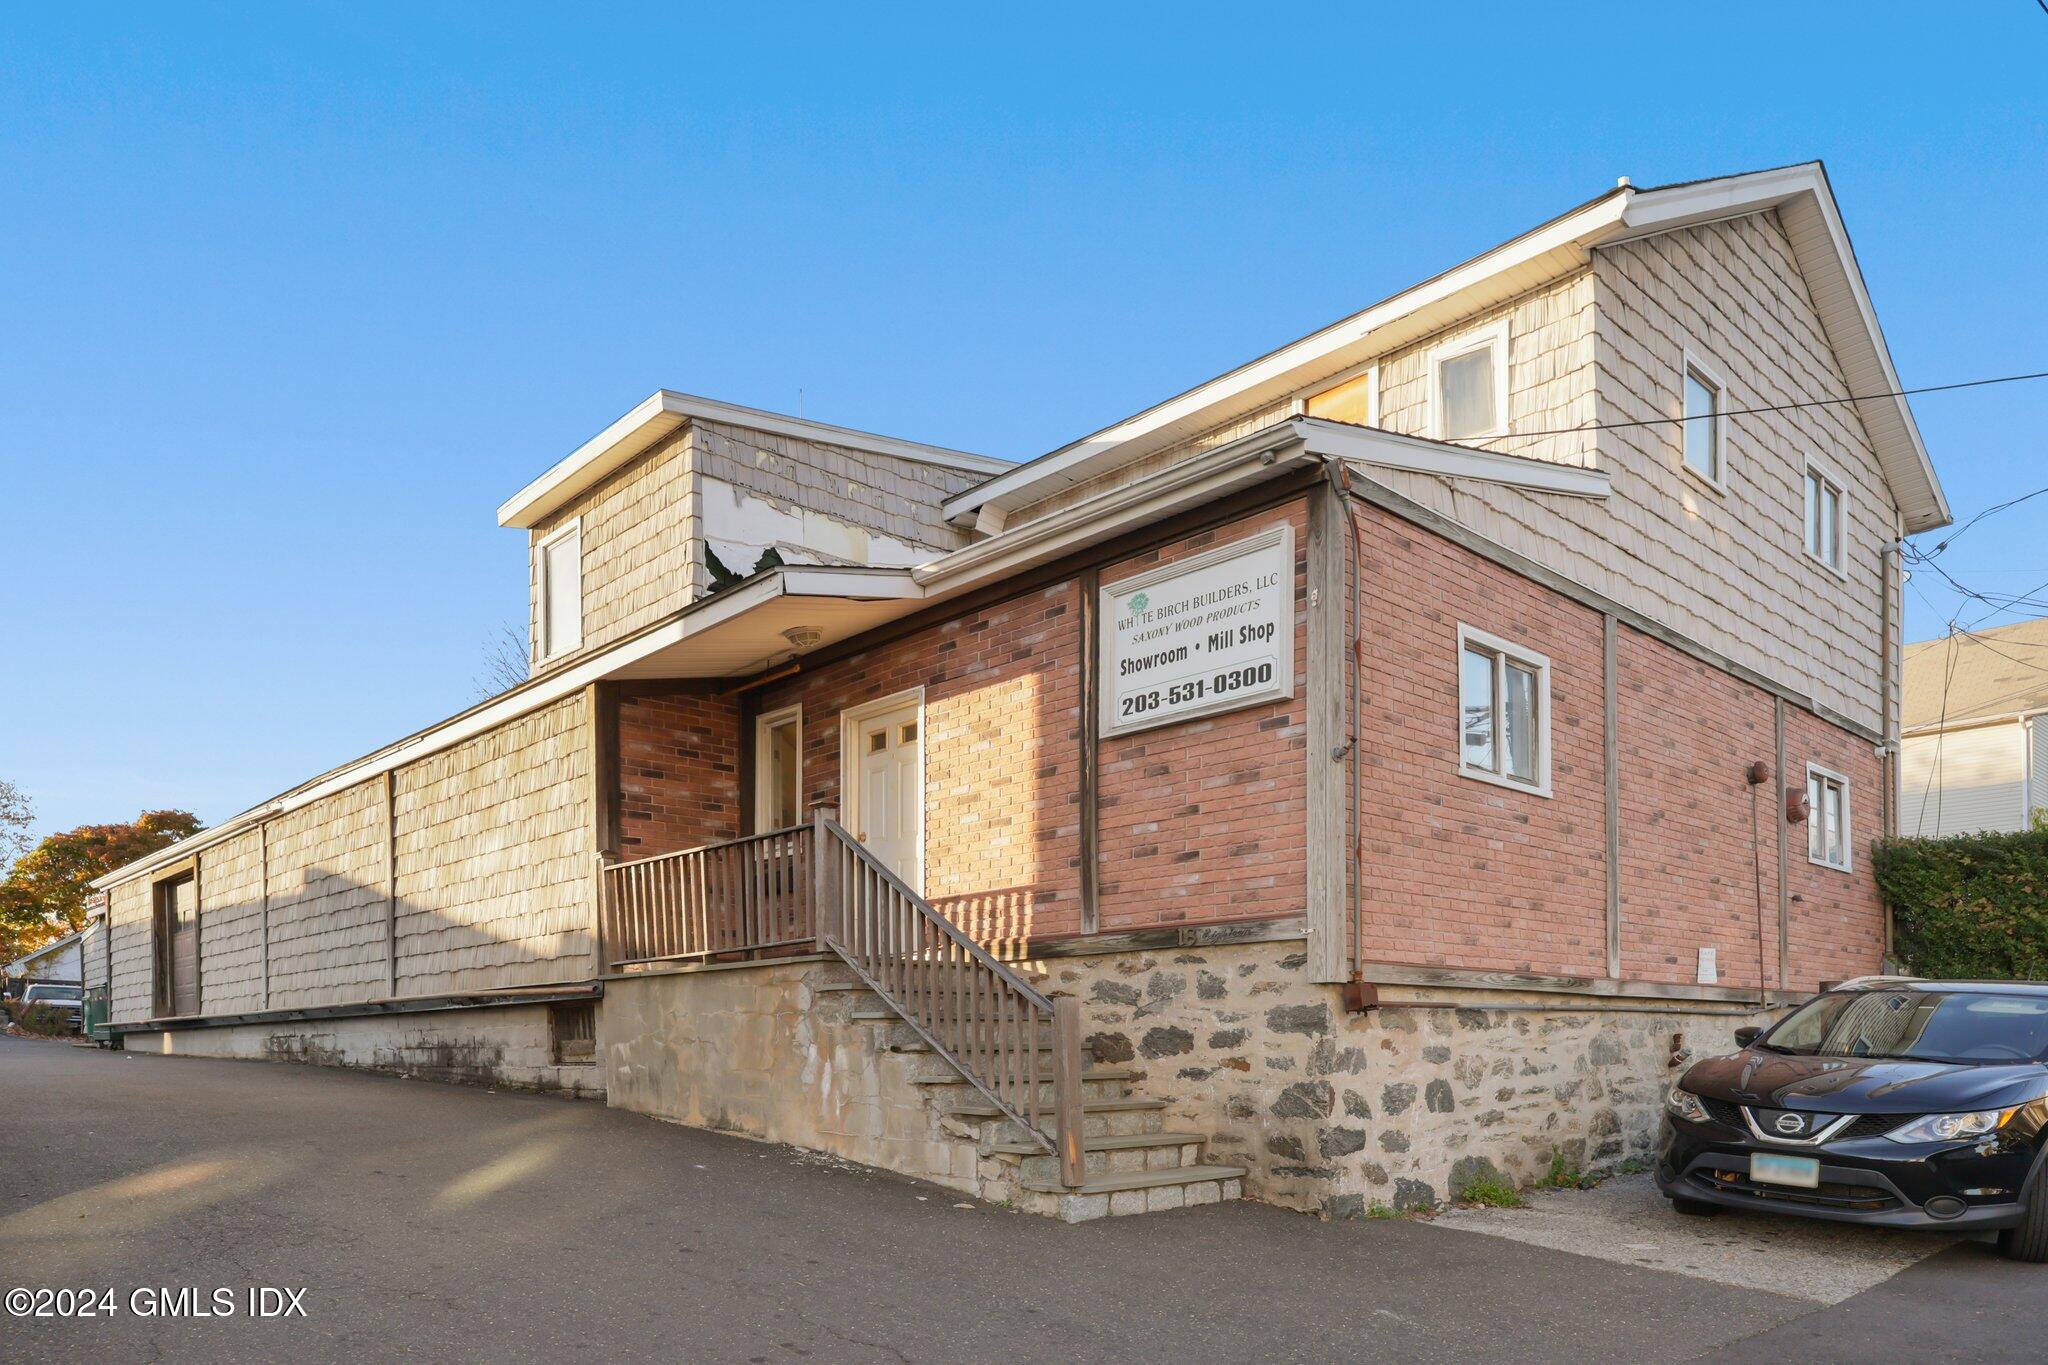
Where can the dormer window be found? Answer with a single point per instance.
(1468, 386)
(561, 591)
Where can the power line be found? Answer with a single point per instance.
(1776, 407)
(1952, 537)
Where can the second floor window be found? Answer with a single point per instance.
(1503, 712)
(1823, 518)
(1702, 423)
(1469, 386)
(561, 591)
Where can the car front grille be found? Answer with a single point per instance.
(1722, 1112)
(1866, 1126)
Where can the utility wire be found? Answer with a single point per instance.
(1777, 407)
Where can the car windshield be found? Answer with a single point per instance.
(54, 992)
(1917, 1024)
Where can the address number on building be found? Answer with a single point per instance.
(1199, 636)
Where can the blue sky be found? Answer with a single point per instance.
(292, 301)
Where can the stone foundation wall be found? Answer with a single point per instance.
(506, 1048)
(1333, 1113)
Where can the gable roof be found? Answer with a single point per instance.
(665, 412)
(1978, 676)
(1805, 203)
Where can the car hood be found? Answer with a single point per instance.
(1863, 1085)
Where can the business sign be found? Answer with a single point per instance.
(1200, 636)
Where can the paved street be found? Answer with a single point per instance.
(438, 1221)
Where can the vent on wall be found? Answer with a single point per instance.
(572, 1032)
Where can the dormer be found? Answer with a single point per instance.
(684, 497)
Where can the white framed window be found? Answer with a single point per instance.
(779, 769)
(1825, 529)
(1827, 820)
(560, 570)
(1704, 446)
(1503, 712)
(1468, 386)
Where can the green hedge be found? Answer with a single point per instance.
(1972, 905)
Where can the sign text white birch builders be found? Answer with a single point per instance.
(1203, 635)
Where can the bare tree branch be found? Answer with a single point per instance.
(505, 661)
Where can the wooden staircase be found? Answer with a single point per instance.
(1131, 1162)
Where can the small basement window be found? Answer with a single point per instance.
(1468, 386)
(572, 1032)
(1503, 712)
(1823, 518)
(1827, 820)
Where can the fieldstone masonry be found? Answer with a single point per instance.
(1333, 1113)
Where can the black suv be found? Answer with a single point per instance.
(1887, 1100)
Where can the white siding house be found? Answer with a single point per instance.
(1975, 753)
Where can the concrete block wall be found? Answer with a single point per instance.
(506, 1046)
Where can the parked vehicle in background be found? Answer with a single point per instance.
(1887, 1100)
(63, 998)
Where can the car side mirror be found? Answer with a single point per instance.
(1745, 1036)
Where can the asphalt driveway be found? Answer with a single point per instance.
(440, 1221)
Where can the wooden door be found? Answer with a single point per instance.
(887, 789)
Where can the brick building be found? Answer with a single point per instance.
(1381, 764)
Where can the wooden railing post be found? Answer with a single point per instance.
(826, 907)
(1066, 1088)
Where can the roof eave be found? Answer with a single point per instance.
(659, 416)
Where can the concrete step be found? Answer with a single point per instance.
(1093, 1087)
(1146, 1192)
(880, 1012)
(1140, 1180)
(1104, 1143)
(1135, 1153)
(1089, 1072)
(972, 1110)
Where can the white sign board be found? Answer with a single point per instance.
(1203, 635)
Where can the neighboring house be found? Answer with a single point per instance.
(1352, 757)
(58, 961)
(1975, 752)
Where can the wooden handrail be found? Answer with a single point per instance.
(980, 1015)
(735, 897)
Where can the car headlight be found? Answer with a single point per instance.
(1950, 1127)
(1683, 1104)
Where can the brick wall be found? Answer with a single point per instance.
(679, 775)
(1459, 872)
(1690, 868)
(1207, 821)
(1837, 924)
(1002, 762)
(1200, 822)
(1466, 874)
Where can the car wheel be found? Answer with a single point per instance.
(2029, 1241)
(1693, 1208)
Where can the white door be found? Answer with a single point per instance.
(886, 806)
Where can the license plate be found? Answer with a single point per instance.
(1768, 1168)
